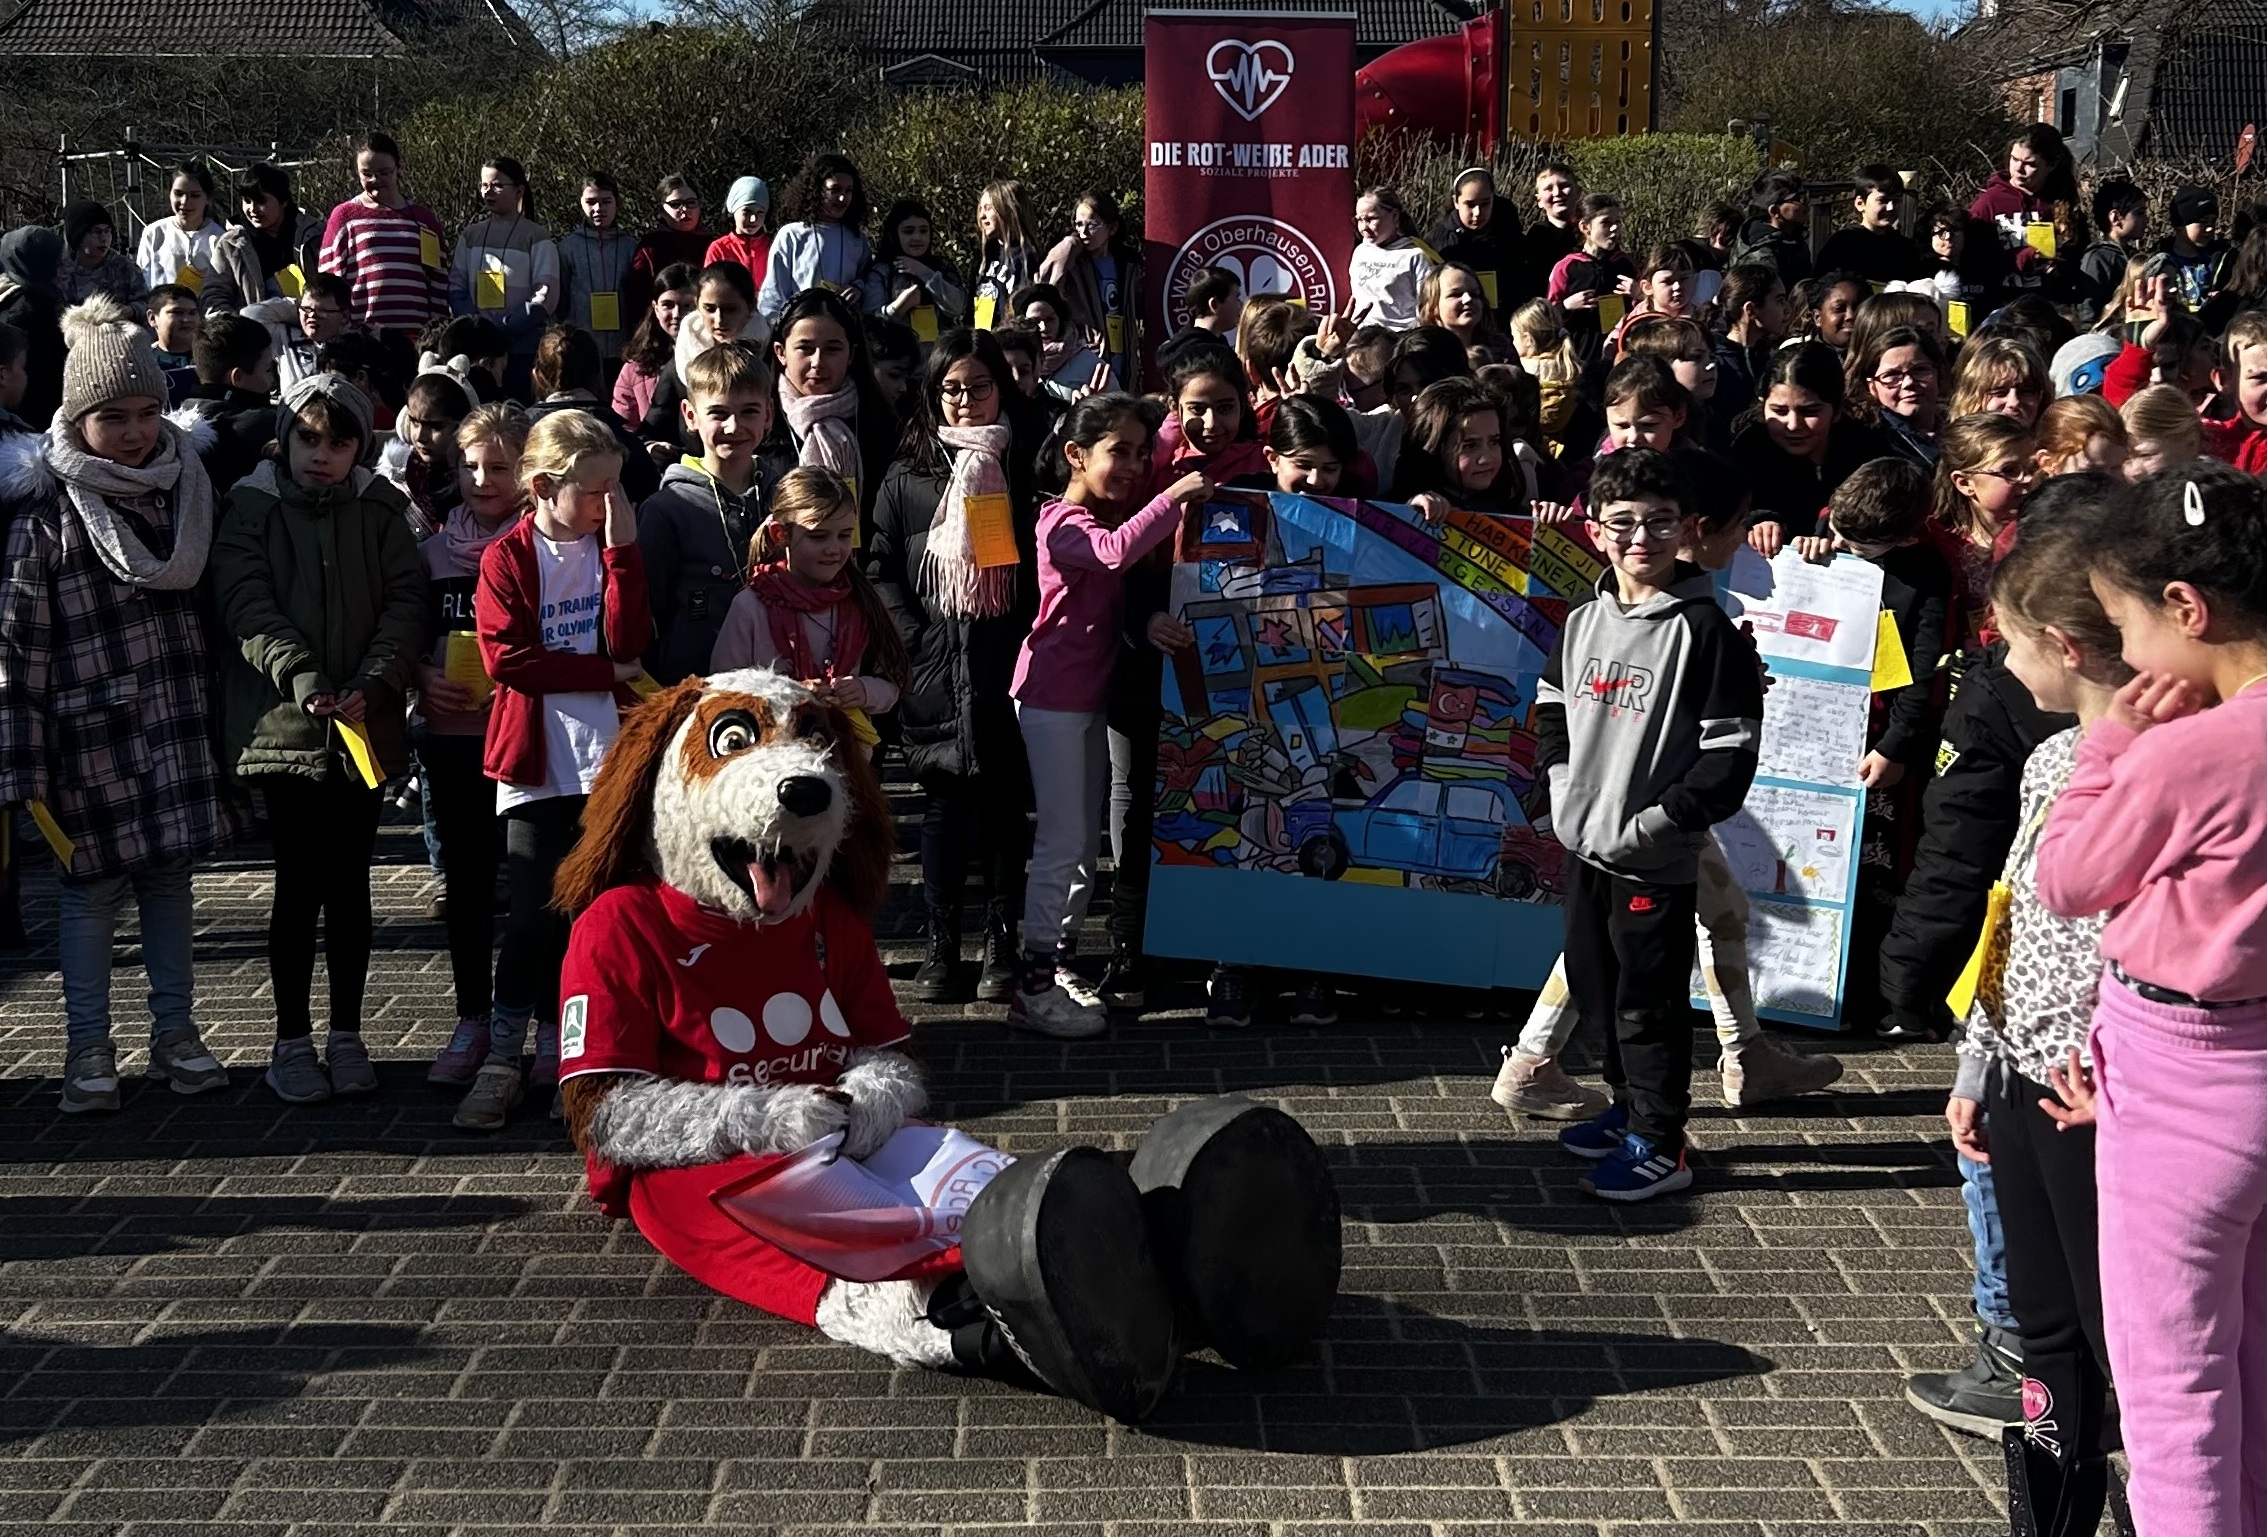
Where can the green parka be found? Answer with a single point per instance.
(324, 592)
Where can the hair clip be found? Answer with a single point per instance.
(2192, 504)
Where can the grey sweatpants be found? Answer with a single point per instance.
(1069, 753)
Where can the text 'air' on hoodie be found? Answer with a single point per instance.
(1648, 722)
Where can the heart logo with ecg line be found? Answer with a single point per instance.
(1250, 77)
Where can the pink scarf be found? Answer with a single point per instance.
(949, 573)
(787, 598)
(826, 428)
(464, 541)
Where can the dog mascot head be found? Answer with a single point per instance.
(744, 792)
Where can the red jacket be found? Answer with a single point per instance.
(2241, 442)
(507, 607)
(752, 252)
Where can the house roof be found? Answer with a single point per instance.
(1377, 23)
(918, 41)
(308, 29)
(2196, 70)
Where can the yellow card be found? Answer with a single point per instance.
(2039, 236)
(1117, 335)
(291, 282)
(925, 322)
(429, 248)
(1488, 288)
(1956, 316)
(862, 727)
(644, 685)
(991, 530)
(986, 308)
(52, 831)
(606, 312)
(357, 744)
(488, 289)
(190, 278)
(1611, 309)
(1891, 667)
(462, 665)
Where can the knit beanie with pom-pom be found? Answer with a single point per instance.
(112, 356)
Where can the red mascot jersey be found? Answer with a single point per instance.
(656, 985)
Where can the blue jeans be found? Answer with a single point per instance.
(86, 923)
(1982, 1201)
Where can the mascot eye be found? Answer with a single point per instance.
(733, 732)
(813, 728)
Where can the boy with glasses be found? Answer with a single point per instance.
(1648, 718)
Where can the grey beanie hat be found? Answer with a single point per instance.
(112, 356)
(339, 391)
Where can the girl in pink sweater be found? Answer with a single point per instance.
(2164, 825)
(1097, 462)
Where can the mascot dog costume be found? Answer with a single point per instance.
(724, 1004)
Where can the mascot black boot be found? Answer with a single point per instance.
(1244, 1214)
(1057, 1251)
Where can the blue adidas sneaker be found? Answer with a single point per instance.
(1637, 1173)
(1599, 1137)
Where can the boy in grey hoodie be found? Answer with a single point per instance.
(1649, 717)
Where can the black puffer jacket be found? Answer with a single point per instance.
(955, 713)
(1968, 823)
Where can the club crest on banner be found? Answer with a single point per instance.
(1250, 77)
(1269, 257)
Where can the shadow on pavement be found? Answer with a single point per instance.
(1396, 1380)
(181, 1379)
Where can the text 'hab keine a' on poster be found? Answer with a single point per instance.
(1793, 848)
(1346, 748)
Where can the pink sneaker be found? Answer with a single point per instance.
(546, 1069)
(461, 1058)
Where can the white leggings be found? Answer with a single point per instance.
(1722, 921)
(1069, 753)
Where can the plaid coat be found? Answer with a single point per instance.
(106, 690)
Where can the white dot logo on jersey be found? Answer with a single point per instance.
(1268, 256)
(734, 1031)
(787, 1018)
(830, 1015)
(574, 1026)
(1250, 77)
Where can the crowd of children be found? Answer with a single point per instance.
(299, 507)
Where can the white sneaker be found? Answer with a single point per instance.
(1056, 1013)
(1083, 993)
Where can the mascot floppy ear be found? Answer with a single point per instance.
(617, 824)
(861, 866)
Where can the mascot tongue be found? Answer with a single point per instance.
(772, 877)
(773, 882)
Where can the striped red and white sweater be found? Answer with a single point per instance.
(379, 253)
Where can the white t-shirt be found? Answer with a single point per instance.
(577, 728)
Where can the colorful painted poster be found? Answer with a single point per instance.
(1794, 846)
(1250, 132)
(1346, 748)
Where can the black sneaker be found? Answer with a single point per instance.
(1315, 1003)
(1003, 968)
(1228, 999)
(1124, 980)
(1983, 1397)
(938, 979)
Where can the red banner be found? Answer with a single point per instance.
(1251, 156)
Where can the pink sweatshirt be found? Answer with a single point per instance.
(2169, 828)
(1073, 645)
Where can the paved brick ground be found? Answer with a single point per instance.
(221, 1312)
